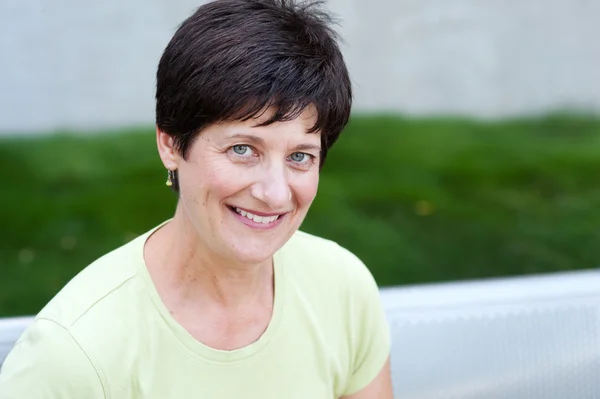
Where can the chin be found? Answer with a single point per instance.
(256, 256)
(256, 250)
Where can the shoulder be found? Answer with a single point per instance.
(65, 335)
(47, 362)
(330, 272)
(96, 283)
(323, 257)
(345, 297)
(105, 296)
(321, 249)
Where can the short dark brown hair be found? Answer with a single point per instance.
(232, 59)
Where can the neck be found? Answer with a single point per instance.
(184, 269)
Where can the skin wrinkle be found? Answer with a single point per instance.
(279, 77)
(275, 68)
(209, 165)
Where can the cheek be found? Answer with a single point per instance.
(305, 188)
(214, 177)
(225, 182)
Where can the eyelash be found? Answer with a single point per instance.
(311, 158)
(232, 149)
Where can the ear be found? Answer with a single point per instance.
(167, 151)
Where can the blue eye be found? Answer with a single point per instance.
(241, 149)
(300, 157)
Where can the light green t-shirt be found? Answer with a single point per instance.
(108, 335)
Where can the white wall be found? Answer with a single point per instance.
(75, 63)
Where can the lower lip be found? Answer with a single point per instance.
(256, 225)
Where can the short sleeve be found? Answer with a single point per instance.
(370, 332)
(48, 363)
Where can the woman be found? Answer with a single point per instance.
(227, 299)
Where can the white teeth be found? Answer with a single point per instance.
(256, 218)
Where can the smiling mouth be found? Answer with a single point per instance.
(253, 217)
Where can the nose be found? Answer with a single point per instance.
(273, 188)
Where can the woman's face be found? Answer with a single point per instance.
(247, 189)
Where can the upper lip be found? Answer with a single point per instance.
(257, 213)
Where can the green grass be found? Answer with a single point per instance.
(419, 200)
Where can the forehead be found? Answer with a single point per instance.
(294, 129)
(308, 116)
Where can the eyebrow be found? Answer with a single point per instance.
(308, 147)
(258, 140)
(249, 137)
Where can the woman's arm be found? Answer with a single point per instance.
(47, 363)
(379, 388)
(370, 336)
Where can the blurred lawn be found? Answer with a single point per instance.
(418, 200)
